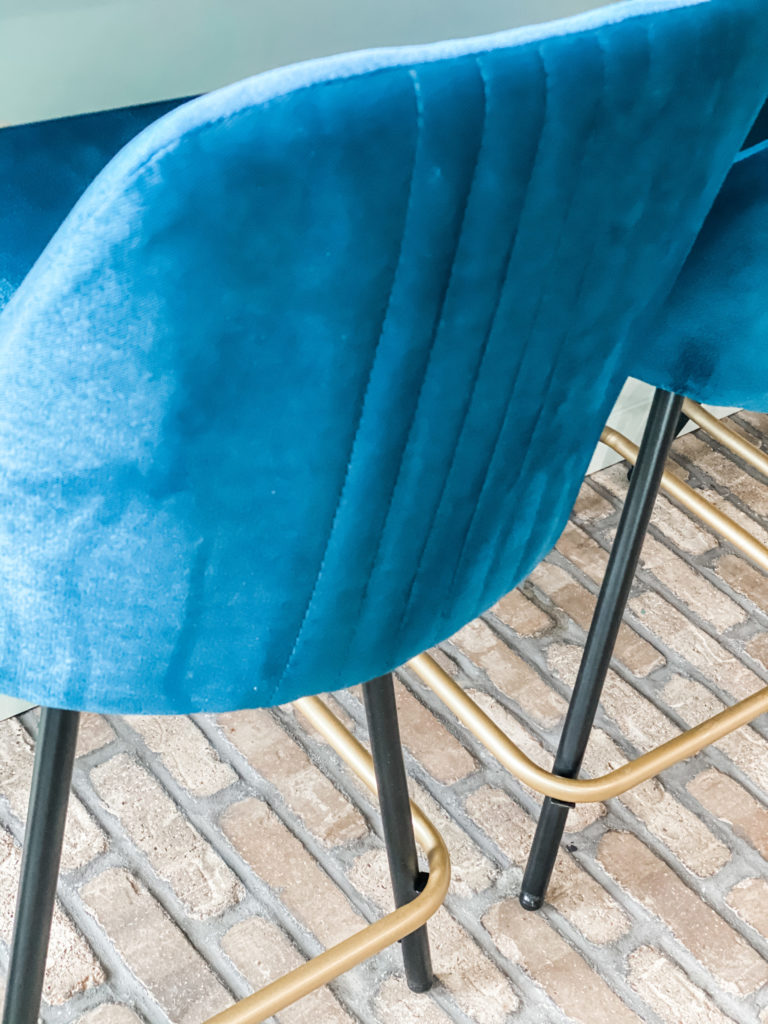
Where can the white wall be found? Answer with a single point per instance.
(68, 56)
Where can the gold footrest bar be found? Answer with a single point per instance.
(718, 521)
(377, 936)
(752, 455)
(582, 790)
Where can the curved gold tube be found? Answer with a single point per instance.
(377, 936)
(751, 454)
(582, 790)
(718, 521)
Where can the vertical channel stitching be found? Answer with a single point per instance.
(363, 405)
(417, 404)
(534, 162)
(475, 378)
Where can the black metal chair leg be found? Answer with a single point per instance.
(51, 779)
(659, 433)
(381, 712)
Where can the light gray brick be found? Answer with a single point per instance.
(154, 948)
(185, 752)
(177, 852)
(72, 966)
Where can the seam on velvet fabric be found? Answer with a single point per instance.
(523, 206)
(564, 232)
(475, 379)
(527, 446)
(745, 154)
(385, 319)
(419, 396)
(651, 184)
(598, 119)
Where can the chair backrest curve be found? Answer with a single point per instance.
(45, 167)
(311, 373)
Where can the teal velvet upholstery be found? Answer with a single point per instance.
(310, 374)
(711, 337)
(45, 168)
(759, 131)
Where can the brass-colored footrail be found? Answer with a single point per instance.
(582, 790)
(721, 432)
(712, 517)
(377, 936)
(371, 940)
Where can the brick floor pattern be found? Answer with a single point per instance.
(206, 855)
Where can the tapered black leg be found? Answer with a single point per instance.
(381, 712)
(51, 779)
(659, 433)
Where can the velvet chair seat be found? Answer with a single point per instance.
(310, 375)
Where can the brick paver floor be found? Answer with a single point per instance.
(206, 855)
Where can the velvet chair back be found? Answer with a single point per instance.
(309, 376)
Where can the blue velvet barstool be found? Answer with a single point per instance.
(282, 393)
(711, 340)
